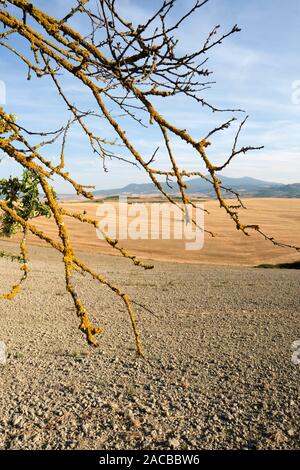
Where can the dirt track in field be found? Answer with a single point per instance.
(217, 373)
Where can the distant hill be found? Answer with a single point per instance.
(246, 186)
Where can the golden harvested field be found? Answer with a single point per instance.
(279, 218)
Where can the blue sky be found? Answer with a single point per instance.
(254, 70)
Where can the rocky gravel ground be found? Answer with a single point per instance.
(217, 372)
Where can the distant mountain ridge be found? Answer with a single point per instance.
(246, 186)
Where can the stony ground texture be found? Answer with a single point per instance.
(217, 375)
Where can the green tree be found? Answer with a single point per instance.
(22, 195)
